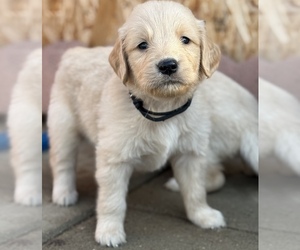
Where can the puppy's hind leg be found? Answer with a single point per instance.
(249, 148)
(63, 148)
(214, 180)
(189, 171)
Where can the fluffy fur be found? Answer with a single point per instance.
(25, 128)
(279, 124)
(91, 97)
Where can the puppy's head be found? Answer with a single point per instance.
(163, 51)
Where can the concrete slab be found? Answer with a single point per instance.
(31, 240)
(156, 220)
(152, 231)
(57, 219)
(16, 222)
(277, 240)
(150, 204)
(238, 201)
(279, 213)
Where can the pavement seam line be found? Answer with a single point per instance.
(67, 225)
(278, 230)
(30, 230)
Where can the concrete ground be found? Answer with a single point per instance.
(155, 217)
(279, 207)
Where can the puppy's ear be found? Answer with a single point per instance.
(210, 52)
(118, 61)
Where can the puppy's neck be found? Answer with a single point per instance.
(158, 104)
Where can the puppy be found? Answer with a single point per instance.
(279, 124)
(149, 105)
(25, 129)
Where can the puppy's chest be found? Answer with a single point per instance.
(153, 148)
(156, 144)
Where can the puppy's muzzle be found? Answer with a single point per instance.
(167, 66)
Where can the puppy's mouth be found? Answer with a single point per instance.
(169, 87)
(170, 81)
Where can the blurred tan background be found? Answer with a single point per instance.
(20, 33)
(233, 24)
(20, 20)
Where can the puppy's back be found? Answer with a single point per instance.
(82, 75)
(81, 64)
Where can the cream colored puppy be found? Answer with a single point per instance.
(25, 129)
(159, 64)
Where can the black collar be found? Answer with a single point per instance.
(162, 116)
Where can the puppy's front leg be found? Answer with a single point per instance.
(189, 171)
(111, 205)
(64, 140)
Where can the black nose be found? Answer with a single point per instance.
(167, 66)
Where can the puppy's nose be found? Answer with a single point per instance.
(167, 66)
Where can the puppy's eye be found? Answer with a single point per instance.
(143, 46)
(185, 40)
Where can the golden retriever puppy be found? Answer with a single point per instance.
(25, 130)
(143, 102)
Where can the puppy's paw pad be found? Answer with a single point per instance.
(208, 218)
(110, 236)
(172, 185)
(64, 197)
(28, 196)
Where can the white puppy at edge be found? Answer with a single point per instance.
(279, 124)
(25, 129)
(162, 57)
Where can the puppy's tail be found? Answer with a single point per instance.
(249, 149)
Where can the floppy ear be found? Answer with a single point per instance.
(210, 52)
(118, 61)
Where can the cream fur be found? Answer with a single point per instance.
(25, 128)
(279, 124)
(88, 97)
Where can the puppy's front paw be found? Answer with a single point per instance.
(110, 234)
(64, 196)
(28, 196)
(208, 218)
